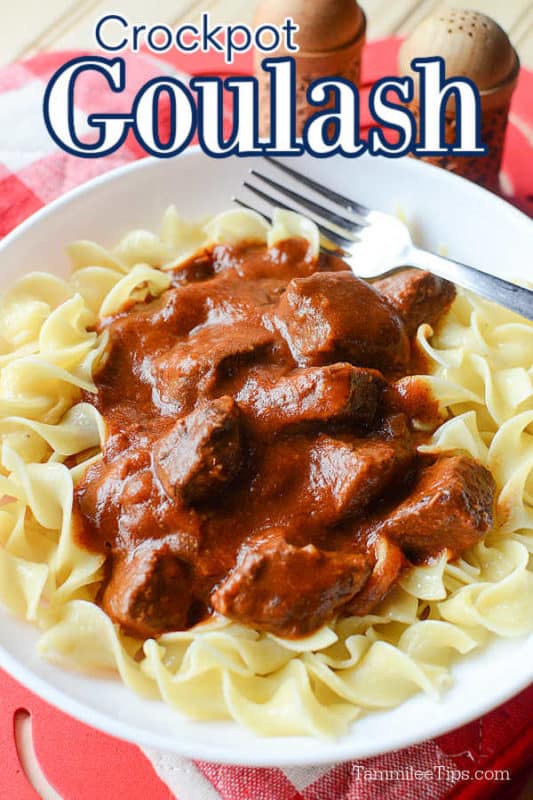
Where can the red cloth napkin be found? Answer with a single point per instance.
(463, 764)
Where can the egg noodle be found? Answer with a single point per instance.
(482, 374)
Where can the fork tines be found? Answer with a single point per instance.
(341, 200)
(344, 228)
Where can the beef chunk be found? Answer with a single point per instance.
(334, 316)
(321, 480)
(413, 396)
(417, 296)
(347, 473)
(450, 506)
(201, 453)
(252, 261)
(149, 591)
(194, 366)
(179, 310)
(333, 394)
(389, 562)
(287, 590)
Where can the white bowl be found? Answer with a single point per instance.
(443, 210)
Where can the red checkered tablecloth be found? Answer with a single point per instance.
(83, 764)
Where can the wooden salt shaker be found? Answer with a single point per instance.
(331, 40)
(473, 46)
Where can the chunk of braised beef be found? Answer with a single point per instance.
(253, 261)
(450, 506)
(287, 590)
(417, 296)
(413, 397)
(348, 473)
(150, 590)
(179, 310)
(333, 394)
(202, 453)
(334, 316)
(110, 486)
(210, 355)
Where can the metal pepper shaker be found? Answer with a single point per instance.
(473, 46)
(330, 40)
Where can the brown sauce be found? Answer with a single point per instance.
(260, 457)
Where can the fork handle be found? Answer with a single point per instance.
(514, 297)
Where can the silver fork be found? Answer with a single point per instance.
(373, 243)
